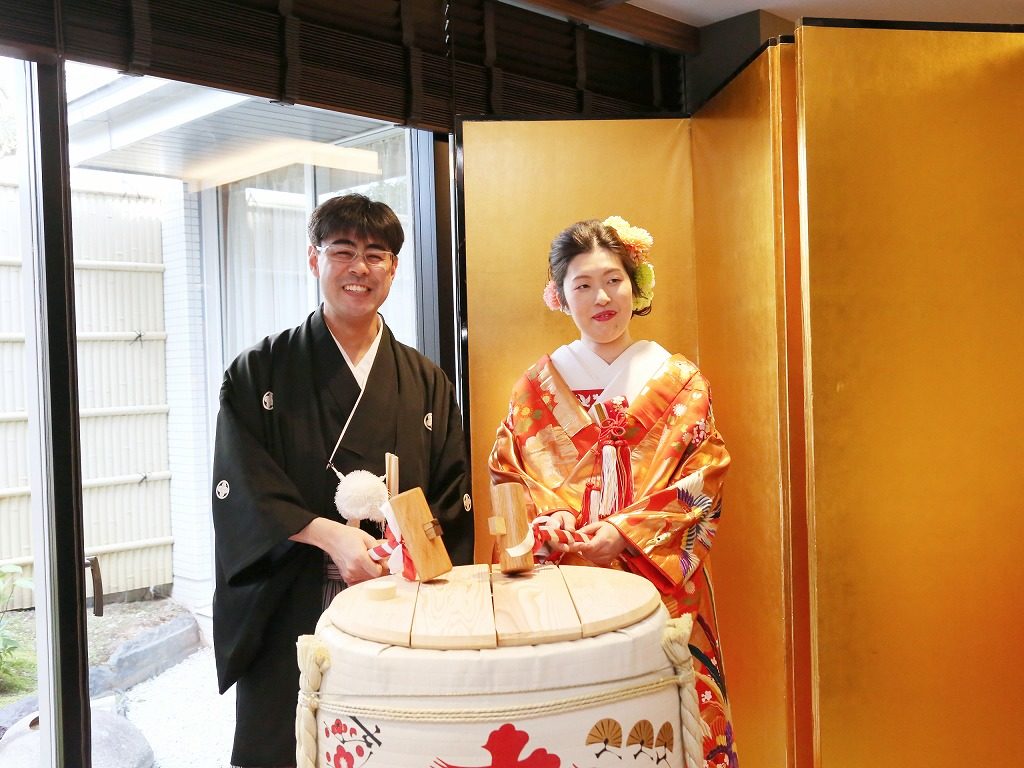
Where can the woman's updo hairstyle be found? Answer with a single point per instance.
(583, 237)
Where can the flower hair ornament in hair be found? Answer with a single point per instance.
(638, 242)
(551, 298)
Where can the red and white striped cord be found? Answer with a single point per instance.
(543, 532)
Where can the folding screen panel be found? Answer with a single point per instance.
(523, 182)
(914, 251)
(747, 250)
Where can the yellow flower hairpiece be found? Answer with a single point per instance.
(636, 239)
(638, 242)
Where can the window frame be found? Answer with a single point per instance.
(55, 475)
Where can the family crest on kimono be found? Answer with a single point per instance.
(616, 438)
(297, 410)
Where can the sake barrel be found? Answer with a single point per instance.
(559, 667)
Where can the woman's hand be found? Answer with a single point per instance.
(566, 520)
(605, 545)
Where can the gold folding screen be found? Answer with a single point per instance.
(912, 158)
(865, 374)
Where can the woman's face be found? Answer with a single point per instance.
(600, 297)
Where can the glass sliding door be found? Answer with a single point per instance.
(18, 668)
(185, 210)
(267, 285)
(393, 185)
(189, 209)
(42, 629)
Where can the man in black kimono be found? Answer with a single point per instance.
(282, 549)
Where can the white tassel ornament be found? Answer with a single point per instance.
(609, 481)
(360, 495)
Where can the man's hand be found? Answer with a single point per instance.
(347, 546)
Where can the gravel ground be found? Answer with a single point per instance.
(120, 621)
(187, 723)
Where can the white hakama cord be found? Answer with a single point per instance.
(333, 583)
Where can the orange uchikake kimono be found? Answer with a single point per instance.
(672, 462)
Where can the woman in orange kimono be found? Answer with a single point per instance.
(616, 438)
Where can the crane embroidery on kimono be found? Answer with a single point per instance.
(690, 491)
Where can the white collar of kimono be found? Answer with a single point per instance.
(361, 370)
(625, 376)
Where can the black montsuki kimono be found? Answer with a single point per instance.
(283, 404)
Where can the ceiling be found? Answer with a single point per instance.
(702, 12)
(674, 25)
(205, 136)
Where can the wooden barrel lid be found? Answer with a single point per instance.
(470, 607)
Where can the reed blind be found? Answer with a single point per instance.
(412, 62)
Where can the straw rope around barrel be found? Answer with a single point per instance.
(314, 660)
(341, 705)
(675, 641)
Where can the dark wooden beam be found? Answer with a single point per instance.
(638, 23)
(599, 4)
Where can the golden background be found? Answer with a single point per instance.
(523, 183)
(914, 249)
(839, 244)
(747, 256)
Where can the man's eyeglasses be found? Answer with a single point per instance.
(376, 258)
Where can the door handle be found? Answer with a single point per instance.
(93, 564)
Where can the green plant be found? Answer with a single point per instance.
(10, 579)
